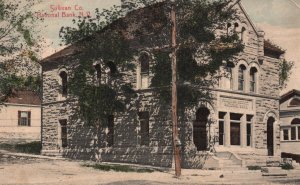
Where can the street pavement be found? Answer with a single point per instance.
(33, 170)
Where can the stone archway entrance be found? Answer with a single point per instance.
(270, 136)
(199, 129)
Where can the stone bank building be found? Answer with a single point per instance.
(239, 128)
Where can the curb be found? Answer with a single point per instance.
(5, 152)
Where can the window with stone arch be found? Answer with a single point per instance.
(241, 77)
(228, 28)
(64, 83)
(143, 71)
(110, 71)
(253, 79)
(97, 68)
(236, 25)
(228, 80)
(243, 34)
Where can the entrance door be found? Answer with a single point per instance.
(199, 129)
(270, 136)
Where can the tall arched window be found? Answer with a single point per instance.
(243, 34)
(228, 28)
(241, 78)
(228, 81)
(98, 73)
(110, 71)
(253, 79)
(64, 83)
(143, 71)
(236, 25)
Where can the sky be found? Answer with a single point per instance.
(280, 19)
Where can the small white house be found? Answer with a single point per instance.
(20, 118)
(290, 122)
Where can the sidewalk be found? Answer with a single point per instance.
(60, 171)
(5, 152)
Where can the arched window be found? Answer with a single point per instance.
(199, 129)
(241, 78)
(110, 71)
(295, 102)
(228, 84)
(64, 83)
(98, 72)
(296, 121)
(144, 62)
(295, 129)
(243, 34)
(236, 25)
(253, 79)
(112, 67)
(228, 28)
(143, 71)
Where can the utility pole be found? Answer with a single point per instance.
(176, 141)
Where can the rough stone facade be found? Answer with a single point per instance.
(261, 106)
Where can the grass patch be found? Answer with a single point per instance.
(119, 168)
(30, 148)
(287, 166)
(254, 167)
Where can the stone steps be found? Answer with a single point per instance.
(229, 161)
(273, 171)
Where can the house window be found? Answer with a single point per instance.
(285, 134)
(63, 133)
(144, 125)
(143, 72)
(111, 131)
(24, 118)
(64, 83)
(253, 76)
(241, 78)
(235, 129)
(249, 129)
(221, 127)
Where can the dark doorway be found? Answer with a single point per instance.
(270, 136)
(199, 129)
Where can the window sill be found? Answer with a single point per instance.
(289, 141)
